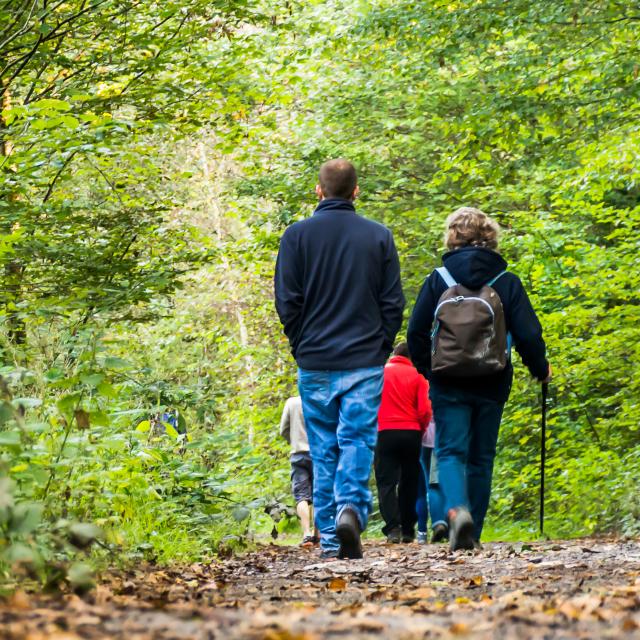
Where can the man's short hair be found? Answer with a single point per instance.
(402, 349)
(338, 179)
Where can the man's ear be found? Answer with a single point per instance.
(319, 192)
(356, 192)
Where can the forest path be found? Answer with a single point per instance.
(564, 589)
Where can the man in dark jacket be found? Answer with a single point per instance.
(468, 410)
(339, 298)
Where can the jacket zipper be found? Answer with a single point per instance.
(459, 298)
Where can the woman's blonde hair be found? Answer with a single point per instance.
(469, 227)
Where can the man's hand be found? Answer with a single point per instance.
(549, 376)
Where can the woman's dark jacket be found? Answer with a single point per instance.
(474, 267)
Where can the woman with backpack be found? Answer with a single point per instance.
(467, 315)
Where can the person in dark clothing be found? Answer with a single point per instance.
(404, 414)
(468, 410)
(339, 298)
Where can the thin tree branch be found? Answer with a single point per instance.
(22, 30)
(52, 184)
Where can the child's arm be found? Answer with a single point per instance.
(285, 422)
(424, 404)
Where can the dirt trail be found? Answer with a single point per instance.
(567, 589)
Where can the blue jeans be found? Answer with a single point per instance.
(430, 498)
(341, 415)
(466, 440)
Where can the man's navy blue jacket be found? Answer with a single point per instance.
(337, 289)
(474, 267)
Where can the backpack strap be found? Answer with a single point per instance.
(509, 336)
(493, 280)
(446, 276)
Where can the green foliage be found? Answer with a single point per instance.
(528, 111)
(151, 158)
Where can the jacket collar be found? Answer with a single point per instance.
(400, 360)
(338, 205)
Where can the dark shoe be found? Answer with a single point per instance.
(477, 545)
(440, 533)
(407, 539)
(394, 536)
(329, 554)
(460, 529)
(308, 542)
(348, 532)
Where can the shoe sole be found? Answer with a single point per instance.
(350, 546)
(463, 537)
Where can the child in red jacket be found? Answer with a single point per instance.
(404, 414)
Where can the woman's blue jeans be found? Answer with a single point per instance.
(341, 416)
(430, 498)
(466, 438)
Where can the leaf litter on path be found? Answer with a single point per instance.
(573, 589)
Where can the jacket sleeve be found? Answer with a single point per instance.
(288, 288)
(391, 296)
(285, 422)
(526, 331)
(419, 331)
(424, 404)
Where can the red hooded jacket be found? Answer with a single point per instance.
(405, 397)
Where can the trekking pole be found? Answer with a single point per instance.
(543, 452)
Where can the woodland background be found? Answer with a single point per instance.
(153, 153)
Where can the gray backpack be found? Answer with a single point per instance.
(469, 336)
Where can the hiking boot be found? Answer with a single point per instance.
(440, 533)
(348, 532)
(394, 536)
(460, 529)
(422, 537)
(329, 554)
(408, 538)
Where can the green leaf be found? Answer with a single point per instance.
(92, 379)
(113, 362)
(25, 517)
(240, 513)
(10, 438)
(80, 576)
(68, 402)
(51, 103)
(107, 390)
(7, 412)
(27, 403)
(83, 534)
(143, 426)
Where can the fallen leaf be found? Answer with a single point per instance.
(459, 628)
(421, 593)
(20, 601)
(337, 584)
